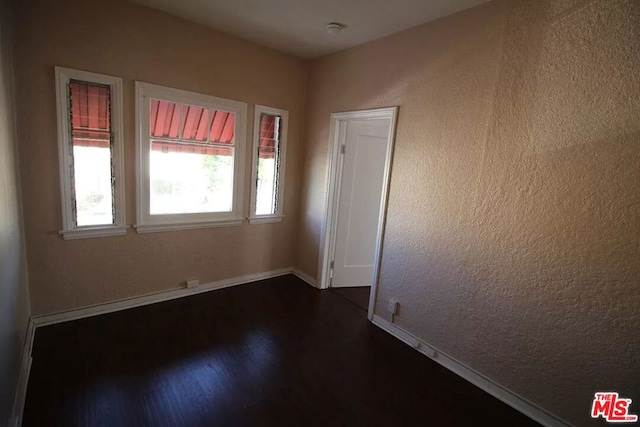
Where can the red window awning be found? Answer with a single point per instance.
(190, 129)
(90, 114)
(91, 125)
(268, 141)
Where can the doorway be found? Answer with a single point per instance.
(361, 147)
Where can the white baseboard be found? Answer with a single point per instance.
(305, 277)
(23, 377)
(507, 396)
(124, 304)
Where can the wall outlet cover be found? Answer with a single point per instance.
(393, 306)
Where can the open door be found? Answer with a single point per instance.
(358, 185)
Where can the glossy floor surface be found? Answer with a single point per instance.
(358, 295)
(270, 353)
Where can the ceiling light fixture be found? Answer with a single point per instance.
(334, 28)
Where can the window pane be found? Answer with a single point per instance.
(92, 183)
(268, 162)
(165, 119)
(190, 170)
(190, 179)
(266, 187)
(222, 127)
(91, 136)
(196, 123)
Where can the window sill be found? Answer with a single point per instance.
(159, 228)
(266, 219)
(93, 232)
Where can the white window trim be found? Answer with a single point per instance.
(284, 114)
(69, 229)
(147, 223)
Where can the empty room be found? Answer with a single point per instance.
(327, 213)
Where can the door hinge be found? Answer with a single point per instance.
(343, 147)
(331, 265)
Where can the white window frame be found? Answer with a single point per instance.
(65, 153)
(146, 222)
(278, 215)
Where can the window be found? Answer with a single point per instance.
(91, 154)
(190, 159)
(269, 141)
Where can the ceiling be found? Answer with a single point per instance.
(298, 27)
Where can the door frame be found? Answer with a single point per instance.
(337, 137)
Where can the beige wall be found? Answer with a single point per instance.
(513, 233)
(136, 43)
(14, 291)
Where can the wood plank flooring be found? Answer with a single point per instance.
(270, 353)
(358, 295)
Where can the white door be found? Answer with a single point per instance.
(360, 201)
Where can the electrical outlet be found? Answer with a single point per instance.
(393, 306)
(194, 283)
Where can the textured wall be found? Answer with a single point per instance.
(136, 43)
(513, 233)
(14, 291)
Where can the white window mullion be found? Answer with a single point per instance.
(273, 194)
(106, 224)
(183, 193)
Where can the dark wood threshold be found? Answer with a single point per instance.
(358, 295)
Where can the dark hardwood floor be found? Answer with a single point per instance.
(357, 295)
(270, 353)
